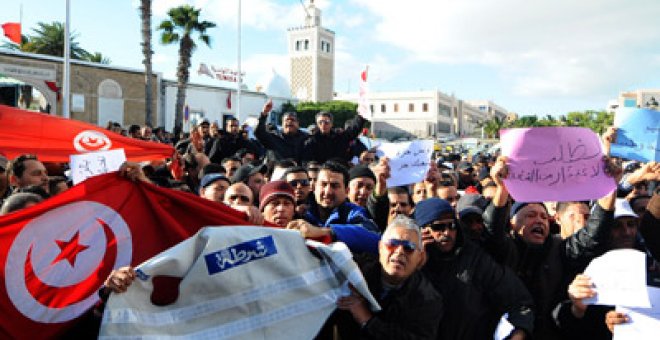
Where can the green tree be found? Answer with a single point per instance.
(598, 121)
(492, 127)
(49, 39)
(97, 57)
(341, 112)
(183, 22)
(145, 17)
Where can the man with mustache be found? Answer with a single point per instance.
(545, 263)
(287, 143)
(26, 170)
(476, 290)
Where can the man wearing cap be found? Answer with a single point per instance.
(276, 203)
(287, 143)
(252, 176)
(544, 262)
(476, 290)
(5, 191)
(470, 210)
(411, 307)
(326, 143)
(213, 187)
(361, 183)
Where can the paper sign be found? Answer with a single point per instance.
(555, 164)
(637, 137)
(620, 279)
(86, 165)
(644, 322)
(409, 161)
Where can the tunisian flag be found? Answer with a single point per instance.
(12, 31)
(363, 108)
(54, 139)
(55, 256)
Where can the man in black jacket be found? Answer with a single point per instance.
(476, 290)
(229, 142)
(411, 307)
(326, 143)
(287, 143)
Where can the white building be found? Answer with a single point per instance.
(487, 106)
(312, 57)
(636, 98)
(419, 114)
(217, 103)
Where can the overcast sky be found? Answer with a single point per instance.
(531, 57)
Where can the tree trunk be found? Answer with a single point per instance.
(182, 74)
(145, 11)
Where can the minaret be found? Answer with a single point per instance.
(312, 56)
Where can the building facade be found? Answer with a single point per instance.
(636, 98)
(422, 114)
(312, 57)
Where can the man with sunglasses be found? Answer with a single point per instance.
(326, 143)
(298, 178)
(240, 197)
(476, 290)
(411, 307)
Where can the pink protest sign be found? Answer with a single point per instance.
(555, 164)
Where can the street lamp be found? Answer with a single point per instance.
(652, 104)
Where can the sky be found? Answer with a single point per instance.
(530, 57)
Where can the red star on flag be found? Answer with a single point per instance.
(70, 249)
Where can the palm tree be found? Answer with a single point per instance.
(97, 57)
(492, 127)
(23, 46)
(145, 16)
(184, 21)
(49, 39)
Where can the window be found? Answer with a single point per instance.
(298, 45)
(327, 46)
(382, 108)
(444, 110)
(396, 107)
(371, 108)
(425, 107)
(411, 107)
(306, 44)
(322, 45)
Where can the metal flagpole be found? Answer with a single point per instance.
(240, 81)
(67, 71)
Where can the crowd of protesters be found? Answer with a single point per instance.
(446, 258)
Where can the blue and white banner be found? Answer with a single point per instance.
(237, 282)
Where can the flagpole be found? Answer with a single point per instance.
(240, 81)
(67, 71)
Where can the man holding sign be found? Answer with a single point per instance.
(545, 262)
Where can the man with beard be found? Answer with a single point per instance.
(545, 263)
(27, 170)
(476, 290)
(287, 143)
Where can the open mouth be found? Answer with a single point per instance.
(397, 262)
(537, 231)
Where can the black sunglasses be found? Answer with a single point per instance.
(304, 182)
(408, 246)
(242, 198)
(442, 226)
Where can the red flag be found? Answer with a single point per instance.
(12, 31)
(229, 100)
(55, 256)
(363, 108)
(54, 139)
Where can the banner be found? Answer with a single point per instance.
(555, 164)
(409, 161)
(638, 134)
(236, 282)
(55, 139)
(57, 254)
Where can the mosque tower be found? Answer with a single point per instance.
(312, 57)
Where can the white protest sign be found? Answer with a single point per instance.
(644, 322)
(409, 161)
(620, 279)
(86, 165)
(237, 283)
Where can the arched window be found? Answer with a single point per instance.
(298, 45)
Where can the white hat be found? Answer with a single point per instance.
(622, 209)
